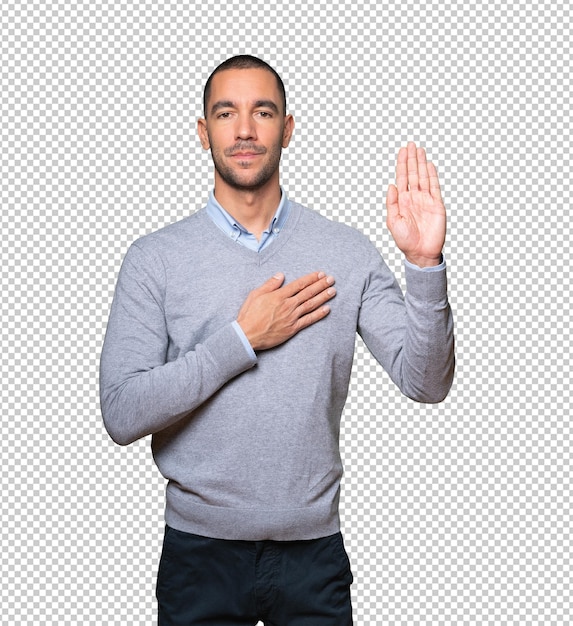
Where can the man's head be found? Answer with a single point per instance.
(243, 62)
(245, 124)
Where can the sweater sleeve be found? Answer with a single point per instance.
(412, 337)
(140, 392)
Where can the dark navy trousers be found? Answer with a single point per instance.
(217, 582)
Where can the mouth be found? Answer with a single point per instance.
(245, 152)
(246, 155)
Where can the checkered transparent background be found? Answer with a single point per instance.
(453, 514)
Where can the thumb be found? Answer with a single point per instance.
(391, 204)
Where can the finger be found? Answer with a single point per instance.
(320, 288)
(434, 182)
(412, 166)
(312, 317)
(301, 283)
(402, 170)
(424, 179)
(311, 301)
(272, 283)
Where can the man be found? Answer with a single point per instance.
(229, 342)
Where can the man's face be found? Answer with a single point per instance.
(245, 128)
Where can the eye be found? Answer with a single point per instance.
(223, 115)
(265, 114)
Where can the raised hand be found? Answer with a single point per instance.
(416, 214)
(271, 314)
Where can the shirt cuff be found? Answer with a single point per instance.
(244, 340)
(433, 268)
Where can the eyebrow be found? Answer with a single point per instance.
(229, 104)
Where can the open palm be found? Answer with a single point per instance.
(416, 213)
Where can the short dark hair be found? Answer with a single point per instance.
(243, 62)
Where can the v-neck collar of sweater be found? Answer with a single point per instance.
(266, 253)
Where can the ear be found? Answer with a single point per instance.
(203, 134)
(288, 130)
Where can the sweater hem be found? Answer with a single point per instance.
(250, 524)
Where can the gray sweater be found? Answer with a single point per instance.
(249, 444)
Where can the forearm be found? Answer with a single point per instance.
(427, 362)
(138, 401)
(411, 337)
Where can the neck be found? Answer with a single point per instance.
(252, 209)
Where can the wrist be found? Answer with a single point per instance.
(424, 261)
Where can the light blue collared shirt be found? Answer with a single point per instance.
(229, 225)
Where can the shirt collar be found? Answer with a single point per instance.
(228, 224)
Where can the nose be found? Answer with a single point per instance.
(246, 127)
